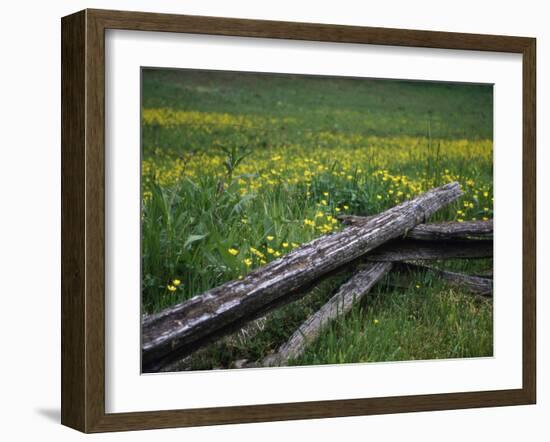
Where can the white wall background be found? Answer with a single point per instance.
(30, 217)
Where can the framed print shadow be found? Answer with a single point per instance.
(265, 220)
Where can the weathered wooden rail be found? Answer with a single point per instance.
(341, 303)
(392, 236)
(413, 249)
(439, 231)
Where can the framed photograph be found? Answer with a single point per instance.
(269, 220)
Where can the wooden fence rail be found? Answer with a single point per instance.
(394, 235)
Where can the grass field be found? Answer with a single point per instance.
(239, 169)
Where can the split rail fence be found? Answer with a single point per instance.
(371, 246)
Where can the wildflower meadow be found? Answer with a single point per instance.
(238, 169)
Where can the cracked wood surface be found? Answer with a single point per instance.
(437, 231)
(164, 363)
(176, 360)
(357, 287)
(412, 250)
(180, 327)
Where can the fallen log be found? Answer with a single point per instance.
(474, 284)
(352, 291)
(437, 231)
(413, 249)
(180, 327)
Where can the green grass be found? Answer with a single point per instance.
(238, 169)
(430, 321)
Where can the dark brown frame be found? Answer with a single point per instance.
(83, 216)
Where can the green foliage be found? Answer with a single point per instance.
(233, 157)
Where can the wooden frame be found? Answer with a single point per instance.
(83, 215)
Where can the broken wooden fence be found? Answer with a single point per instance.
(370, 245)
